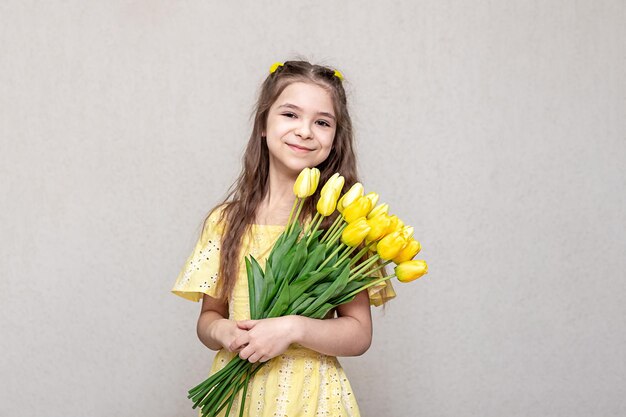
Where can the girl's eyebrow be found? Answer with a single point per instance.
(293, 106)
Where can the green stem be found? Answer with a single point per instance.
(371, 284)
(295, 219)
(333, 238)
(295, 203)
(311, 224)
(361, 253)
(314, 229)
(378, 268)
(345, 254)
(328, 258)
(332, 228)
(364, 265)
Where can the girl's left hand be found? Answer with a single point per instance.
(264, 339)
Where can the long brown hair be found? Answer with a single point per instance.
(248, 191)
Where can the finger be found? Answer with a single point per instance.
(239, 342)
(245, 353)
(254, 357)
(246, 324)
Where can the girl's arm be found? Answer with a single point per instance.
(215, 331)
(350, 334)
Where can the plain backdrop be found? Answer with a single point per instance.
(496, 128)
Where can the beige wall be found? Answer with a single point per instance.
(495, 128)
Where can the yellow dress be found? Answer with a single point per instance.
(298, 383)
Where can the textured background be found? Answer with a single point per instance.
(496, 128)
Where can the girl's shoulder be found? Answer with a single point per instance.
(214, 222)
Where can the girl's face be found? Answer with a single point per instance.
(300, 128)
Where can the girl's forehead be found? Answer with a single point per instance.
(307, 96)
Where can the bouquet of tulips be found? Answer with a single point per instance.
(309, 272)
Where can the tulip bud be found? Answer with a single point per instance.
(340, 204)
(379, 225)
(389, 246)
(393, 225)
(379, 209)
(411, 270)
(306, 183)
(407, 232)
(373, 197)
(359, 208)
(327, 203)
(409, 252)
(335, 183)
(355, 232)
(353, 193)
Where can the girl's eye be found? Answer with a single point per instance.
(324, 123)
(289, 114)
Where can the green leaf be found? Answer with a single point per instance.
(281, 301)
(332, 291)
(308, 281)
(302, 305)
(295, 264)
(251, 288)
(259, 286)
(314, 259)
(269, 289)
(322, 311)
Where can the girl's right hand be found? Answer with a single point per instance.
(226, 333)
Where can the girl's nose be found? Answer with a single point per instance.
(304, 131)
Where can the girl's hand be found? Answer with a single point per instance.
(226, 331)
(264, 339)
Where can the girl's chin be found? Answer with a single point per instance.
(294, 166)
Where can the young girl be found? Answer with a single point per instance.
(301, 121)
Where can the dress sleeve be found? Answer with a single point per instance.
(382, 292)
(199, 274)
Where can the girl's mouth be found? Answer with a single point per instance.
(298, 148)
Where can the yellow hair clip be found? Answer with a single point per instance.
(275, 66)
(339, 75)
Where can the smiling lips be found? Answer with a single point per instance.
(299, 148)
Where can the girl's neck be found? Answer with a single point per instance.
(278, 201)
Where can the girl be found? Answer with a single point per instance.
(301, 120)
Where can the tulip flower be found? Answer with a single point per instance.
(359, 208)
(393, 224)
(355, 232)
(409, 252)
(407, 232)
(335, 183)
(327, 202)
(390, 246)
(306, 183)
(379, 226)
(353, 193)
(411, 270)
(373, 197)
(379, 209)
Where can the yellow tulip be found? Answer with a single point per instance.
(327, 202)
(335, 183)
(306, 183)
(353, 193)
(373, 197)
(390, 246)
(359, 208)
(393, 225)
(340, 204)
(379, 225)
(411, 270)
(409, 252)
(379, 209)
(355, 232)
(407, 232)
